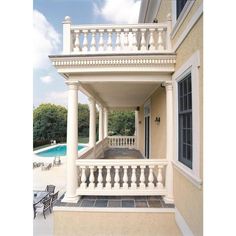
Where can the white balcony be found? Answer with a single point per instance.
(116, 39)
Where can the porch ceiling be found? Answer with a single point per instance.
(118, 95)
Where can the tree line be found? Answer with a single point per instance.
(50, 123)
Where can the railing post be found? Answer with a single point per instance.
(142, 177)
(159, 177)
(99, 185)
(108, 177)
(116, 179)
(91, 177)
(125, 178)
(133, 177)
(150, 177)
(83, 178)
(66, 35)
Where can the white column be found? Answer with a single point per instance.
(101, 129)
(105, 122)
(137, 128)
(66, 35)
(169, 143)
(72, 143)
(92, 122)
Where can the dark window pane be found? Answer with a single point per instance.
(181, 103)
(185, 86)
(179, 6)
(184, 151)
(189, 153)
(189, 101)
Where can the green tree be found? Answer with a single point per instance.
(49, 122)
(121, 123)
(83, 120)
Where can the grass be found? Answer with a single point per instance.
(81, 140)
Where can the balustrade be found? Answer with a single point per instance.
(122, 141)
(116, 38)
(122, 177)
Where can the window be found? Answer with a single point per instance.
(185, 120)
(179, 7)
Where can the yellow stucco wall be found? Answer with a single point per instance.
(164, 9)
(114, 224)
(158, 133)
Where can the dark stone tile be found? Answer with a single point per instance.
(102, 197)
(152, 203)
(127, 203)
(72, 204)
(87, 203)
(128, 198)
(89, 197)
(168, 205)
(114, 197)
(101, 203)
(140, 198)
(114, 203)
(141, 204)
(154, 198)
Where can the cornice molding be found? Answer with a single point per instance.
(118, 63)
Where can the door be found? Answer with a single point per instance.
(147, 115)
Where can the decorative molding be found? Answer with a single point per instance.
(180, 221)
(67, 64)
(181, 18)
(113, 209)
(188, 28)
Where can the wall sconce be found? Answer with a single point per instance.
(158, 120)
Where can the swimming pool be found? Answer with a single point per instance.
(59, 150)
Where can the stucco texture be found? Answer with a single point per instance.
(165, 8)
(114, 224)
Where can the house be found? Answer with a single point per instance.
(155, 68)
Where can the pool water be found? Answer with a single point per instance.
(56, 151)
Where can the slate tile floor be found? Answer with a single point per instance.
(118, 201)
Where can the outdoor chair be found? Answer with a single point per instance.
(56, 161)
(43, 207)
(46, 166)
(54, 199)
(50, 188)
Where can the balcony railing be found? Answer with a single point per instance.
(122, 141)
(103, 39)
(122, 177)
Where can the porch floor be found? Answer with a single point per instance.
(122, 153)
(118, 202)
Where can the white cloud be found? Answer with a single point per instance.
(46, 79)
(46, 40)
(119, 12)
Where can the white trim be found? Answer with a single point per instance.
(115, 209)
(186, 231)
(190, 66)
(185, 172)
(188, 28)
(182, 16)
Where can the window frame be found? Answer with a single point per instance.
(185, 112)
(177, 22)
(190, 66)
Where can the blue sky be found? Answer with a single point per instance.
(48, 15)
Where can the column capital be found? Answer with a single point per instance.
(168, 86)
(72, 85)
(91, 100)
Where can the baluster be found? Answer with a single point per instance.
(159, 177)
(91, 177)
(85, 41)
(118, 39)
(125, 177)
(99, 177)
(160, 45)
(143, 41)
(126, 40)
(133, 177)
(151, 40)
(76, 47)
(101, 41)
(83, 177)
(142, 177)
(109, 40)
(116, 179)
(108, 177)
(150, 177)
(93, 40)
(134, 44)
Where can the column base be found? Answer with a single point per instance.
(69, 199)
(168, 200)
